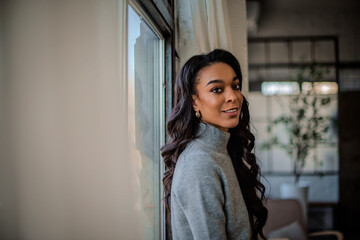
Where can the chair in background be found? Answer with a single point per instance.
(285, 220)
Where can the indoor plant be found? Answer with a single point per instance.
(305, 126)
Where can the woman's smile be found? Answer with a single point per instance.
(218, 96)
(232, 112)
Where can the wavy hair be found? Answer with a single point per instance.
(182, 127)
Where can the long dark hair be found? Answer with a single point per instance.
(182, 127)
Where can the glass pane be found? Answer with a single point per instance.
(279, 52)
(324, 51)
(279, 88)
(145, 111)
(301, 51)
(320, 87)
(256, 53)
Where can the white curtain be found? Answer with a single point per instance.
(203, 25)
(210, 20)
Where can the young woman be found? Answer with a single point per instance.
(211, 181)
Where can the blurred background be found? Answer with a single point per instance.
(304, 59)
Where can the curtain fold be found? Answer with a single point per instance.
(203, 25)
(210, 20)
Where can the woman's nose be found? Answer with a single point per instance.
(231, 96)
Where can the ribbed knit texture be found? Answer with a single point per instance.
(206, 199)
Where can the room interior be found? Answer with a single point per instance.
(86, 87)
(282, 36)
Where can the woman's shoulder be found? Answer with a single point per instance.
(195, 167)
(196, 161)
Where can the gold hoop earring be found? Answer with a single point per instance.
(198, 114)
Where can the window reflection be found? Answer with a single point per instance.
(145, 111)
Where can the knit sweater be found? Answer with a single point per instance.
(206, 199)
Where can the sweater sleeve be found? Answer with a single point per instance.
(200, 200)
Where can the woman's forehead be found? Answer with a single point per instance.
(216, 71)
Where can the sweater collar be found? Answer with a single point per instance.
(213, 136)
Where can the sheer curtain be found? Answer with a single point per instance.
(210, 20)
(203, 25)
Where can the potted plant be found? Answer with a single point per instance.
(305, 127)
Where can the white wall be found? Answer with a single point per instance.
(64, 173)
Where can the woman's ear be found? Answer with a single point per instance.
(194, 103)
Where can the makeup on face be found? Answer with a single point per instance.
(219, 97)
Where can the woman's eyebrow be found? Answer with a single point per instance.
(214, 81)
(219, 81)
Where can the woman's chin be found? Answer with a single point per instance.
(233, 124)
(223, 125)
(229, 125)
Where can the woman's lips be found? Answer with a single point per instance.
(232, 112)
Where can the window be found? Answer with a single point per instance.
(145, 85)
(273, 67)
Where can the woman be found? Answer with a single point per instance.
(211, 181)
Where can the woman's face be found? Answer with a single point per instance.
(218, 98)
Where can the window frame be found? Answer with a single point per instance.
(160, 20)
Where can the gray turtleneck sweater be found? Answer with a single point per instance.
(206, 199)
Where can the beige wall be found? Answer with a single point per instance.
(64, 173)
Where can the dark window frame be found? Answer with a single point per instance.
(161, 14)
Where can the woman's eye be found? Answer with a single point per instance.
(237, 86)
(216, 90)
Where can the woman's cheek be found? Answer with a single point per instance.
(214, 101)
